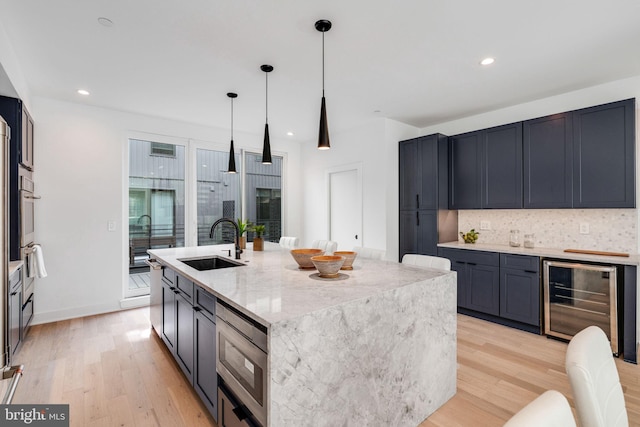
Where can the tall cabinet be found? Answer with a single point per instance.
(424, 219)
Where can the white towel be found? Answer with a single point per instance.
(39, 261)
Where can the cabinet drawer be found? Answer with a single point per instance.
(470, 256)
(206, 301)
(185, 286)
(15, 279)
(168, 275)
(527, 263)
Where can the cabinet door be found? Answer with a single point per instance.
(548, 162)
(460, 267)
(520, 295)
(409, 173)
(483, 290)
(15, 310)
(502, 167)
(26, 150)
(168, 315)
(464, 171)
(184, 336)
(418, 232)
(205, 379)
(428, 170)
(604, 156)
(427, 230)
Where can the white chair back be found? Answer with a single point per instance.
(369, 253)
(427, 261)
(594, 380)
(550, 409)
(328, 246)
(289, 242)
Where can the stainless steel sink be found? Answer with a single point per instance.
(210, 263)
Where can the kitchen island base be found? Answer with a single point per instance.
(385, 360)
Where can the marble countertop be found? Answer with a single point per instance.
(633, 259)
(271, 288)
(14, 266)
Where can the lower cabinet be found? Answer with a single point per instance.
(14, 306)
(418, 232)
(189, 331)
(506, 287)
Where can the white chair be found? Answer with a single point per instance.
(328, 246)
(427, 261)
(594, 380)
(369, 253)
(550, 409)
(288, 242)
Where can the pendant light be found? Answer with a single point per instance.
(323, 26)
(232, 154)
(266, 146)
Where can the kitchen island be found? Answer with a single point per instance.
(375, 348)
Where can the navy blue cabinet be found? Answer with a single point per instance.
(548, 162)
(520, 288)
(503, 288)
(184, 343)
(205, 378)
(168, 314)
(604, 156)
(486, 168)
(423, 189)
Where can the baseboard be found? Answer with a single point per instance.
(135, 302)
(74, 313)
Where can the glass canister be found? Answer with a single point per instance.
(529, 240)
(514, 238)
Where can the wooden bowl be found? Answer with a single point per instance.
(303, 257)
(328, 265)
(349, 257)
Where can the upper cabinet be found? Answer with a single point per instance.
(548, 162)
(604, 156)
(422, 185)
(578, 159)
(19, 120)
(486, 168)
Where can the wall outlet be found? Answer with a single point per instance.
(584, 228)
(111, 226)
(485, 225)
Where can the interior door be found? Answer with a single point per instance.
(345, 220)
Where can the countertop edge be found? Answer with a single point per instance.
(632, 259)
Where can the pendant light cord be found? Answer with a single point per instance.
(323, 64)
(231, 119)
(266, 97)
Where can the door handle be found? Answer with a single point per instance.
(356, 237)
(418, 219)
(418, 200)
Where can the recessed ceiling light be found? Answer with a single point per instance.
(83, 92)
(487, 61)
(105, 22)
(290, 133)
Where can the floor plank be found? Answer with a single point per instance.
(112, 370)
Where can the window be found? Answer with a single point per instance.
(218, 195)
(263, 195)
(156, 205)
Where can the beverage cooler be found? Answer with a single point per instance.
(578, 295)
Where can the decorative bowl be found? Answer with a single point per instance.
(303, 257)
(349, 257)
(328, 265)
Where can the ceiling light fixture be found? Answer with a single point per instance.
(323, 26)
(289, 133)
(232, 154)
(105, 22)
(487, 61)
(266, 146)
(83, 92)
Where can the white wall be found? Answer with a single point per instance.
(80, 155)
(374, 145)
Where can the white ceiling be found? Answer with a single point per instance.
(416, 61)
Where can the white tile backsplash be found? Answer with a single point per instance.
(609, 229)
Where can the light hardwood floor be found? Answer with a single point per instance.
(114, 372)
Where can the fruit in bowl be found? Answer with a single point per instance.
(470, 237)
(328, 265)
(303, 257)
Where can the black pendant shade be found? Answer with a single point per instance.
(266, 146)
(232, 154)
(323, 26)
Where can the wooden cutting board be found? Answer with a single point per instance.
(584, 251)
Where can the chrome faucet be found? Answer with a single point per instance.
(237, 239)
